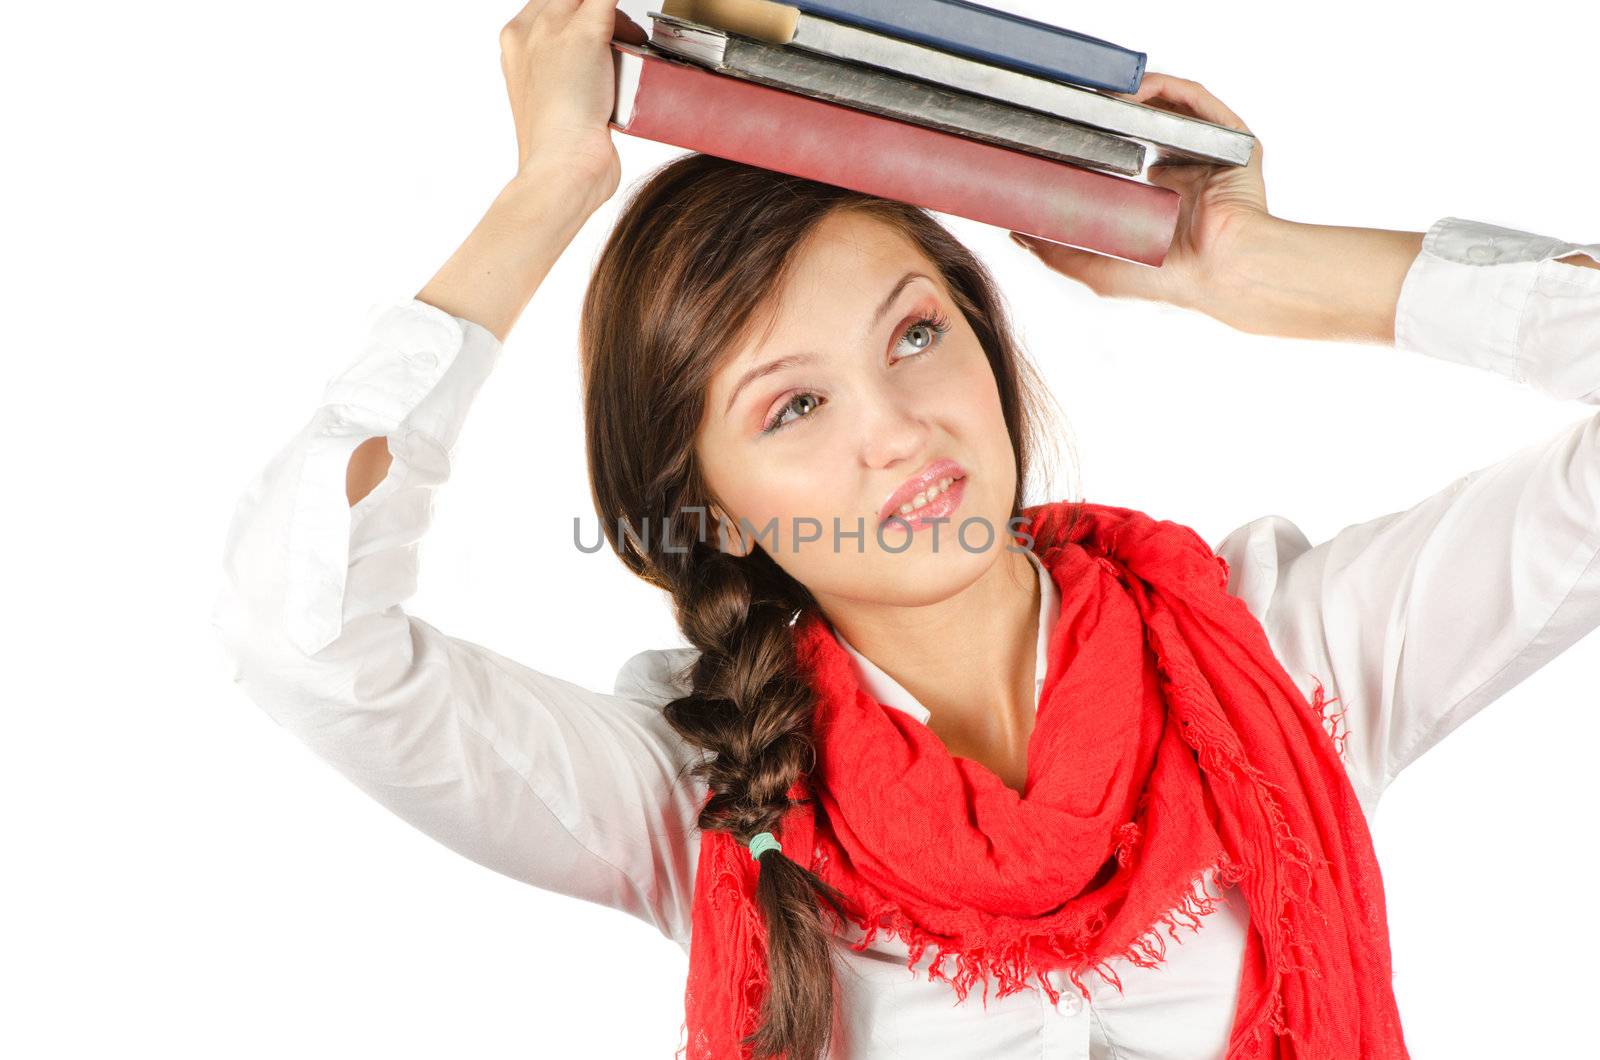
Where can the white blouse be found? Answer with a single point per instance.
(1415, 620)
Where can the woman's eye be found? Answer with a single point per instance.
(778, 422)
(924, 334)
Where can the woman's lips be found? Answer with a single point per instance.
(924, 480)
(940, 507)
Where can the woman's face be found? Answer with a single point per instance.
(852, 392)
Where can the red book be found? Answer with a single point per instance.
(675, 102)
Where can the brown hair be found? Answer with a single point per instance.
(700, 247)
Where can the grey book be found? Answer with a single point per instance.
(1170, 138)
(880, 92)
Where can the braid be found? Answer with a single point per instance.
(751, 707)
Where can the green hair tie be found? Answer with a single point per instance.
(763, 842)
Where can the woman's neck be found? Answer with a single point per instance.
(969, 659)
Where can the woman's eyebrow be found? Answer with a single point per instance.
(793, 359)
(787, 361)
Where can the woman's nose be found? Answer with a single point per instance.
(892, 431)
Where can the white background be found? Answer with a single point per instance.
(201, 203)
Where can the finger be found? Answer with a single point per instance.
(1189, 94)
(1181, 177)
(529, 11)
(597, 13)
(1149, 84)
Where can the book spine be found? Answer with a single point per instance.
(679, 104)
(996, 37)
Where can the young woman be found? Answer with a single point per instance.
(1000, 760)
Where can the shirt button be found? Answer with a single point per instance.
(1480, 252)
(421, 358)
(1071, 1001)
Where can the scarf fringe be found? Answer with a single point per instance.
(1223, 758)
(1011, 964)
(1333, 724)
(750, 956)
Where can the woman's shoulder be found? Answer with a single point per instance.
(1257, 554)
(656, 675)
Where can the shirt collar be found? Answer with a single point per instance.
(892, 693)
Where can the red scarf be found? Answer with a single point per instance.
(1168, 740)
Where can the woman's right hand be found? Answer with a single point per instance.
(556, 57)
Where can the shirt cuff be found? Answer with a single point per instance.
(414, 382)
(1465, 295)
(421, 366)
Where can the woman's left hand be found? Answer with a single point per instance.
(1220, 204)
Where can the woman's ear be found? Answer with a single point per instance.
(730, 538)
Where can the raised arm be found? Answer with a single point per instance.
(490, 278)
(1419, 619)
(568, 789)
(559, 75)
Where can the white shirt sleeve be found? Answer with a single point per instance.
(571, 790)
(1418, 619)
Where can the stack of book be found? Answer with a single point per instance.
(944, 104)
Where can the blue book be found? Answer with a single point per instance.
(996, 37)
